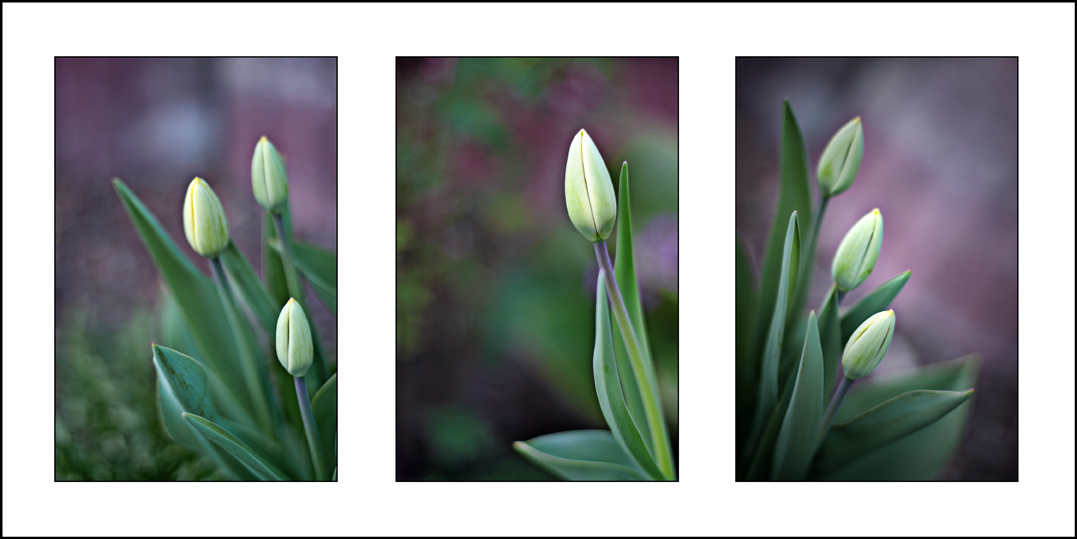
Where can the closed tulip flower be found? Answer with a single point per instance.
(204, 222)
(858, 251)
(841, 159)
(868, 345)
(592, 206)
(268, 177)
(295, 349)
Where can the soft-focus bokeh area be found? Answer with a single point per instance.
(495, 287)
(156, 123)
(940, 162)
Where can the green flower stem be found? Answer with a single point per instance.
(248, 358)
(313, 441)
(648, 392)
(835, 403)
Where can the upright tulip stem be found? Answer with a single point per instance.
(648, 392)
(835, 403)
(313, 441)
(251, 369)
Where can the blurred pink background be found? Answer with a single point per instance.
(940, 162)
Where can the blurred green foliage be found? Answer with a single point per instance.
(495, 289)
(107, 428)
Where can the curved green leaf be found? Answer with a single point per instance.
(319, 266)
(768, 386)
(799, 434)
(581, 455)
(830, 338)
(883, 424)
(194, 292)
(760, 454)
(227, 441)
(876, 301)
(608, 387)
(324, 407)
(187, 379)
(248, 289)
(292, 464)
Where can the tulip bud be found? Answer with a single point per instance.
(204, 222)
(592, 206)
(868, 345)
(841, 159)
(858, 251)
(295, 349)
(268, 178)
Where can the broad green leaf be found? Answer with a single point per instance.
(624, 270)
(319, 266)
(227, 441)
(768, 386)
(248, 289)
(876, 301)
(581, 455)
(799, 433)
(794, 196)
(324, 407)
(885, 423)
(187, 379)
(746, 367)
(610, 396)
(194, 292)
(921, 455)
(830, 338)
(273, 453)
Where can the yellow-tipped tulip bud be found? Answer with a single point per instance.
(268, 178)
(868, 345)
(295, 349)
(204, 222)
(841, 159)
(592, 206)
(858, 251)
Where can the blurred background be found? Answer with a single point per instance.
(495, 287)
(156, 123)
(940, 162)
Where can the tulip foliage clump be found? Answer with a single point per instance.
(637, 446)
(238, 357)
(798, 413)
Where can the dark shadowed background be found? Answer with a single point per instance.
(940, 162)
(156, 123)
(495, 287)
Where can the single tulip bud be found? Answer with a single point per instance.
(268, 178)
(841, 159)
(204, 222)
(295, 349)
(592, 206)
(858, 251)
(868, 345)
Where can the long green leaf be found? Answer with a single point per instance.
(761, 452)
(921, 455)
(581, 455)
(319, 266)
(187, 378)
(746, 366)
(292, 464)
(799, 434)
(249, 289)
(794, 196)
(883, 424)
(324, 407)
(193, 291)
(227, 441)
(610, 396)
(624, 270)
(876, 301)
(768, 386)
(830, 338)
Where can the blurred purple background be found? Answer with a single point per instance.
(940, 162)
(156, 123)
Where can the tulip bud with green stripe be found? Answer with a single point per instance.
(204, 222)
(295, 349)
(868, 345)
(268, 177)
(858, 251)
(841, 159)
(592, 206)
